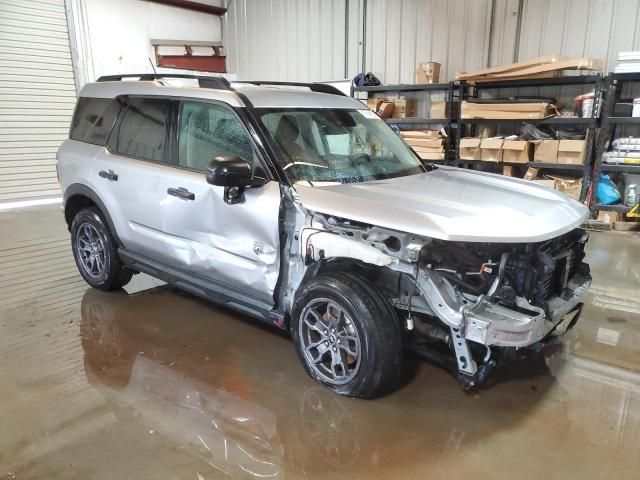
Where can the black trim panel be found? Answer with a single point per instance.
(199, 286)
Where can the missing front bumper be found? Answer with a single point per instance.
(494, 325)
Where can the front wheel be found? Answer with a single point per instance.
(347, 335)
(96, 252)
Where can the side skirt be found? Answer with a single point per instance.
(203, 287)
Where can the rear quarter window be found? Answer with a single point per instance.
(142, 131)
(93, 120)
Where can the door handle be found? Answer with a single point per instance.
(109, 175)
(181, 192)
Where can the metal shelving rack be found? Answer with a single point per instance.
(468, 126)
(613, 85)
(449, 122)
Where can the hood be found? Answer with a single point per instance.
(452, 204)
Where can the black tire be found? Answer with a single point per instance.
(380, 334)
(114, 274)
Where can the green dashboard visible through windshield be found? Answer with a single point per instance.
(336, 145)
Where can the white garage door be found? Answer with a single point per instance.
(37, 96)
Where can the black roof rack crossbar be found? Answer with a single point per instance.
(314, 87)
(220, 83)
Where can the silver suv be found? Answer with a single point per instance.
(299, 206)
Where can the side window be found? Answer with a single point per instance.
(207, 131)
(93, 120)
(142, 132)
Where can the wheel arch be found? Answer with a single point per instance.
(78, 196)
(377, 275)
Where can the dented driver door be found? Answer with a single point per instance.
(235, 246)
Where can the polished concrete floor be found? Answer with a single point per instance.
(156, 384)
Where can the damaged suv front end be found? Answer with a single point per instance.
(466, 305)
(475, 266)
(501, 296)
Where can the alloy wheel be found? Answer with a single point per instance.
(91, 250)
(330, 341)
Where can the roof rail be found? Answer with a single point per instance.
(314, 87)
(220, 83)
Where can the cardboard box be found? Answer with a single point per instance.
(374, 103)
(516, 151)
(420, 134)
(470, 148)
(438, 110)
(546, 151)
(546, 183)
(488, 132)
(431, 155)
(572, 152)
(424, 142)
(540, 67)
(507, 171)
(532, 62)
(608, 217)
(570, 186)
(385, 110)
(403, 108)
(531, 173)
(534, 110)
(427, 149)
(491, 150)
(428, 72)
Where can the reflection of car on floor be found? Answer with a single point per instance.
(248, 431)
(301, 207)
(231, 434)
(235, 436)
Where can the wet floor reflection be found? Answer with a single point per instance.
(154, 383)
(234, 396)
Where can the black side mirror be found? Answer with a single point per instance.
(234, 174)
(229, 171)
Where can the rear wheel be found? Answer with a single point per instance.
(96, 252)
(347, 335)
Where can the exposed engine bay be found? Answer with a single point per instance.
(533, 271)
(478, 301)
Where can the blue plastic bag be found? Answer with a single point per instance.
(607, 193)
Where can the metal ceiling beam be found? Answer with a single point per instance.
(195, 6)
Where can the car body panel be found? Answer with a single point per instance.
(205, 236)
(452, 204)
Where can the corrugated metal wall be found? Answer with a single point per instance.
(304, 40)
(598, 28)
(402, 33)
(37, 96)
(300, 40)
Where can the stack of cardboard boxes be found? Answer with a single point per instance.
(393, 108)
(498, 149)
(507, 111)
(514, 152)
(547, 66)
(428, 144)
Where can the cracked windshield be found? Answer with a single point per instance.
(345, 146)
